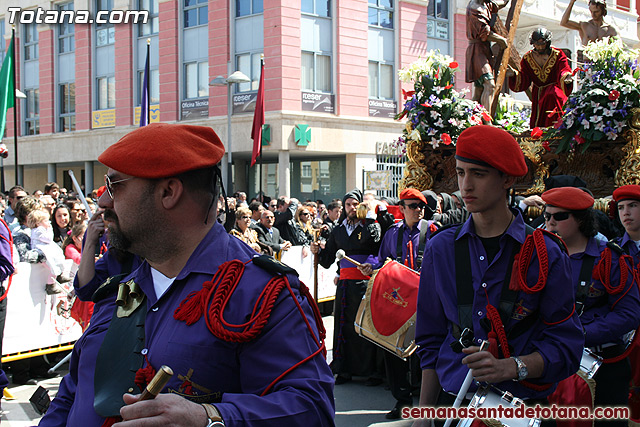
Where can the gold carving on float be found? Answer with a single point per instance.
(605, 166)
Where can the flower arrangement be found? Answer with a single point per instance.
(511, 115)
(436, 113)
(600, 108)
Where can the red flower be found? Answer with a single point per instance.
(437, 76)
(536, 133)
(408, 94)
(454, 64)
(446, 139)
(474, 119)
(486, 117)
(558, 124)
(449, 86)
(580, 140)
(404, 113)
(545, 145)
(426, 104)
(613, 95)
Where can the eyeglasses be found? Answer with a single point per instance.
(415, 206)
(304, 213)
(246, 217)
(109, 184)
(558, 216)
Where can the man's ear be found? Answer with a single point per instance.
(509, 181)
(172, 192)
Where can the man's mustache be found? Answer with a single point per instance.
(109, 215)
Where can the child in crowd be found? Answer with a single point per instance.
(42, 238)
(72, 245)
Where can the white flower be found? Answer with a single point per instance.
(434, 114)
(434, 143)
(599, 126)
(415, 135)
(607, 113)
(431, 132)
(585, 123)
(611, 135)
(596, 106)
(439, 123)
(595, 119)
(619, 125)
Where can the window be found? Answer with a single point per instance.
(32, 112)
(381, 13)
(66, 35)
(67, 107)
(106, 88)
(381, 80)
(3, 46)
(249, 64)
(197, 80)
(316, 72)
(195, 13)
(30, 42)
(154, 84)
(317, 7)
(152, 24)
(438, 25)
(248, 7)
(105, 33)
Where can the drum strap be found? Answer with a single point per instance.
(464, 288)
(422, 243)
(584, 282)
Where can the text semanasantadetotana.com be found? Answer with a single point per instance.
(522, 411)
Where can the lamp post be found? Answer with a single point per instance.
(236, 77)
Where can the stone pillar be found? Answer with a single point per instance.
(88, 178)
(51, 172)
(284, 174)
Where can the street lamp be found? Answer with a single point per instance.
(237, 77)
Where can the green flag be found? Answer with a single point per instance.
(7, 91)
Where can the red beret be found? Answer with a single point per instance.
(491, 146)
(160, 150)
(412, 193)
(627, 192)
(571, 198)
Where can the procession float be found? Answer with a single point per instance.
(596, 137)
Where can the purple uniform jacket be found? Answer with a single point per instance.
(233, 375)
(73, 405)
(556, 334)
(389, 245)
(630, 247)
(601, 323)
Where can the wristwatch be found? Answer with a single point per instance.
(521, 369)
(213, 416)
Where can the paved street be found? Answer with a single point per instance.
(356, 404)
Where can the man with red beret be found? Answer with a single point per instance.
(197, 303)
(470, 290)
(607, 299)
(627, 200)
(404, 242)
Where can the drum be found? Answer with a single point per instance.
(589, 363)
(387, 314)
(492, 397)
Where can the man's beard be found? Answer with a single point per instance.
(116, 237)
(352, 217)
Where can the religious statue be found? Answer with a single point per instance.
(546, 71)
(479, 58)
(594, 29)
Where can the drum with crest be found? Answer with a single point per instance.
(387, 313)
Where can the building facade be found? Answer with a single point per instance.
(330, 80)
(330, 86)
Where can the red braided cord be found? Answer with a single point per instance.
(602, 271)
(144, 375)
(108, 422)
(216, 293)
(498, 327)
(535, 240)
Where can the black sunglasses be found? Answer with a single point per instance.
(558, 216)
(415, 206)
